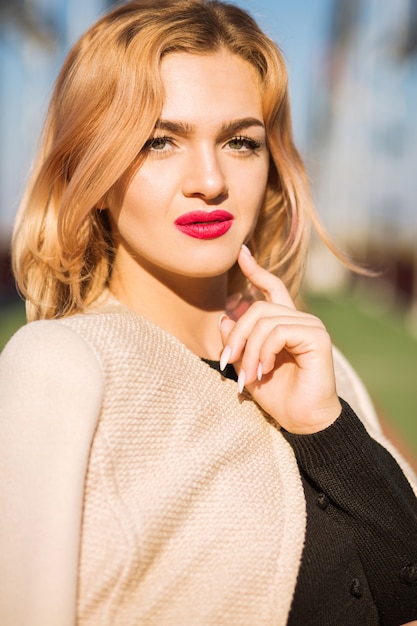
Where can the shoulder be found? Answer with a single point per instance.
(50, 402)
(53, 347)
(50, 364)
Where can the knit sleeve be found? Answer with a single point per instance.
(51, 390)
(364, 483)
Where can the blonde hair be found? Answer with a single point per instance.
(106, 102)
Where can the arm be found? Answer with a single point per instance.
(51, 390)
(285, 360)
(369, 493)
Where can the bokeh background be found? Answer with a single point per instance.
(353, 85)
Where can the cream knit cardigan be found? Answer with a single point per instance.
(186, 497)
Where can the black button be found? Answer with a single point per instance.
(408, 574)
(356, 588)
(322, 501)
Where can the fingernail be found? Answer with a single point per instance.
(259, 372)
(224, 357)
(241, 379)
(221, 318)
(246, 250)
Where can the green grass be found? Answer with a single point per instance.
(377, 343)
(11, 318)
(382, 351)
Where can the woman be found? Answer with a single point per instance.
(167, 460)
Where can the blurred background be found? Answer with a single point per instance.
(353, 86)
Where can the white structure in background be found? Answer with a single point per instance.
(365, 142)
(34, 36)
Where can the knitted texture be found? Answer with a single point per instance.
(194, 512)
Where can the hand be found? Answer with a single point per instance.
(283, 356)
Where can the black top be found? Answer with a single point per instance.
(359, 563)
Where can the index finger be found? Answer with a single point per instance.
(271, 286)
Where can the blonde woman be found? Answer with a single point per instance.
(165, 459)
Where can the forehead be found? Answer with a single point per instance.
(208, 86)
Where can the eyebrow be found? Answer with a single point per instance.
(232, 127)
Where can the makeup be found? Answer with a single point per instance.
(205, 224)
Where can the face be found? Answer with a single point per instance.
(196, 197)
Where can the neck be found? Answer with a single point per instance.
(186, 307)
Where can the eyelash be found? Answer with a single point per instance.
(149, 144)
(251, 144)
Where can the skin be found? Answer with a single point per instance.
(212, 113)
(289, 350)
(198, 158)
(283, 356)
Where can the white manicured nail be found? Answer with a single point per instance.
(224, 357)
(259, 372)
(246, 250)
(221, 318)
(241, 379)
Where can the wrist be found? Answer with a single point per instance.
(318, 420)
(346, 436)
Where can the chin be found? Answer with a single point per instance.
(211, 269)
(213, 260)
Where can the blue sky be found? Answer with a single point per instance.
(296, 25)
(299, 27)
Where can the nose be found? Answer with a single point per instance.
(204, 175)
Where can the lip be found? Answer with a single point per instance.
(205, 224)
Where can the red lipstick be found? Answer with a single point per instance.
(204, 224)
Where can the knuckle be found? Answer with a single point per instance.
(262, 325)
(324, 337)
(258, 307)
(279, 330)
(316, 320)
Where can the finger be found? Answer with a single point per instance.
(306, 347)
(271, 286)
(261, 346)
(302, 343)
(272, 314)
(225, 326)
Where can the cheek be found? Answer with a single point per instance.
(150, 193)
(135, 205)
(256, 187)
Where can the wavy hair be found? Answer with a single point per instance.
(106, 102)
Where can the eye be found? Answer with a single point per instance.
(157, 144)
(243, 144)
